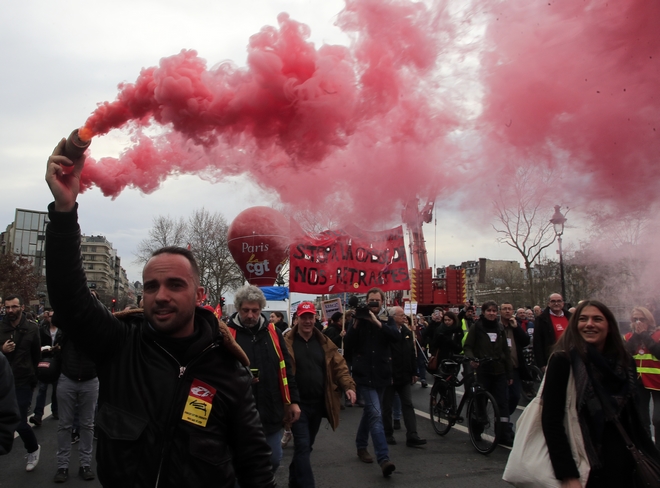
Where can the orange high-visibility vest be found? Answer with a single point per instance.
(648, 366)
(283, 381)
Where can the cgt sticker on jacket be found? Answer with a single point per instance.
(199, 403)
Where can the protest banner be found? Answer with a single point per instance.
(349, 260)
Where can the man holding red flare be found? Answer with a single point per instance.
(176, 406)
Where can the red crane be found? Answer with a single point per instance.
(427, 291)
(414, 219)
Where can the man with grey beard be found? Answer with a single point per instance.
(274, 384)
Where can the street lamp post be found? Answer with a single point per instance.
(558, 220)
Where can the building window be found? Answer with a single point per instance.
(20, 220)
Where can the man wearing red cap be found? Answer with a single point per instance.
(320, 372)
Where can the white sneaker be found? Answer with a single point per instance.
(286, 438)
(33, 459)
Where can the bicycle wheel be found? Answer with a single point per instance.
(438, 411)
(531, 387)
(483, 421)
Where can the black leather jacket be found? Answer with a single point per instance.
(10, 416)
(76, 365)
(25, 358)
(143, 439)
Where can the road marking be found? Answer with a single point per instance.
(47, 413)
(455, 426)
(428, 417)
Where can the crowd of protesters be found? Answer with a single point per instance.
(373, 354)
(304, 368)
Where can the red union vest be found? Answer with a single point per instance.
(648, 366)
(283, 381)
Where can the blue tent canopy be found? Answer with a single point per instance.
(275, 292)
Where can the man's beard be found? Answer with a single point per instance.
(250, 322)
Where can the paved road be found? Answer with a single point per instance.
(444, 461)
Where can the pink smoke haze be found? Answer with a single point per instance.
(561, 84)
(575, 85)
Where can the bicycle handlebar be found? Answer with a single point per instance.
(477, 360)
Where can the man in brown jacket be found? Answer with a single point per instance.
(321, 373)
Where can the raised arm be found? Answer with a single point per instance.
(63, 178)
(76, 311)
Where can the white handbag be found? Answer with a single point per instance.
(529, 463)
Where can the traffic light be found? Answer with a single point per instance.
(222, 302)
(114, 302)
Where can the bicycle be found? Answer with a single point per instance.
(531, 387)
(482, 412)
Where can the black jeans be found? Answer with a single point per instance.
(497, 385)
(407, 409)
(24, 399)
(515, 390)
(304, 433)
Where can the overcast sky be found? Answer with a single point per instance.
(62, 58)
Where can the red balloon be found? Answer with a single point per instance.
(258, 240)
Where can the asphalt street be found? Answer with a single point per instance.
(443, 461)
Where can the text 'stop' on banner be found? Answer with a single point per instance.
(349, 260)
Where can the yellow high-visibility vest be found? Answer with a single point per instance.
(648, 366)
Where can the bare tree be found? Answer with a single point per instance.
(547, 280)
(18, 277)
(166, 231)
(523, 215)
(617, 265)
(206, 236)
(510, 283)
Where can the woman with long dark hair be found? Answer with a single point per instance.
(605, 387)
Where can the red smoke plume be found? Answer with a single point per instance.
(295, 117)
(563, 84)
(576, 85)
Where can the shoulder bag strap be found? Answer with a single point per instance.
(608, 411)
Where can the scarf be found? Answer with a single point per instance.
(616, 385)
